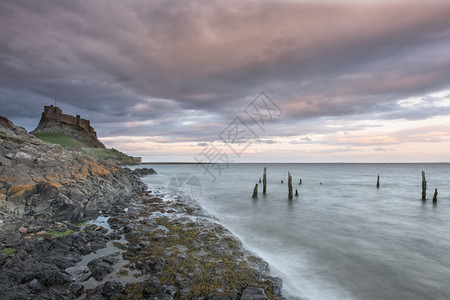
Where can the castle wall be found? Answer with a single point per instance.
(55, 113)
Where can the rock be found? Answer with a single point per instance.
(34, 286)
(117, 222)
(51, 275)
(111, 289)
(77, 289)
(253, 293)
(277, 285)
(144, 171)
(10, 129)
(158, 238)
(127, 228)
(100, 271)
(22, 254)
(100, 267)
(10, 239)
(154, 283)
(168, 290)
(233, 294)
(63, 262)
(162, 296)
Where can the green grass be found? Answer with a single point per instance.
(69, 142)
(99, 153)
(82, 227)
(60, 139)
(59, 233)
(9, 251)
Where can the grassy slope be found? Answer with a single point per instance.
(99, 153)
(69, 142)
(60, 139)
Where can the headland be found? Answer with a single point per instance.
(73, 226)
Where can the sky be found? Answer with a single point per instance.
(237, 81)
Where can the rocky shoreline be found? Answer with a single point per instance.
(74, 227)
(146, 248)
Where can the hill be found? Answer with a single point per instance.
(55, 122)
(75, 133)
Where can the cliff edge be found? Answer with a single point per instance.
(41, 181)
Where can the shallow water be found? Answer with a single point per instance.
(341, 238)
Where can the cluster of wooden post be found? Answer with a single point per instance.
(264, 182)
(424, 189)
(290, 189)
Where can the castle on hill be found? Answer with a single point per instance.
(55, 113)
(53, 120)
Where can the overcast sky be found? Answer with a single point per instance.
(353, 81)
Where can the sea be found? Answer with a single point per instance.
(341, 237)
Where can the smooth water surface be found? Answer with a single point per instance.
(341, 238)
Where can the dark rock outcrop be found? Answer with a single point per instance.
(144, 171)
(8, 128)
(38, 269)
(100, 267)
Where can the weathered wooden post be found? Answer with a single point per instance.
(255, 191)
(296, 193)
(424, 187)
(435, 196)
(300, 181)
(259, 179)
(378, 181)
(290, 186)
(264, 181)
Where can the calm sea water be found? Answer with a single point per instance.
(341, 238)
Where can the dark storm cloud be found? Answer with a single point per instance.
(163, 67)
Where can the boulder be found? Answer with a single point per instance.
(144, 172)
(253, 293)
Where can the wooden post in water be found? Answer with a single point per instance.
(424, 187)
(435, 196)
(296, 193)
(255, 191)
(259, 179)
(264, 181)
(290, 186)
(378, 181)
(300, 181)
